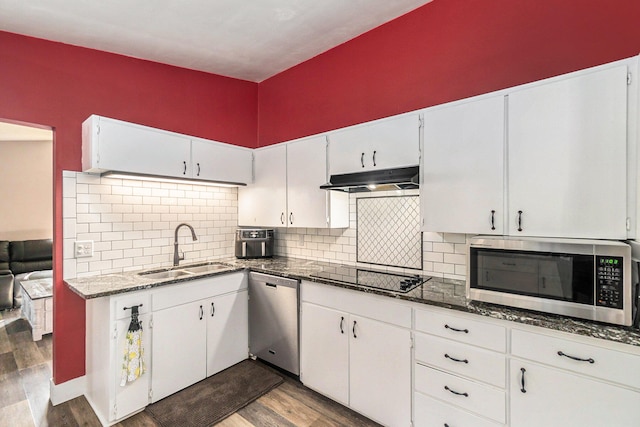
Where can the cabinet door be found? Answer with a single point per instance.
(383, 144)
(555, 397)
(133, 396)
(216, 161)
(126, 147)
(324, 351)
(306, 172)
(179, 350)
(567, 157)
(463, 167)
(380, 371)
(264, 203)
(227, 331)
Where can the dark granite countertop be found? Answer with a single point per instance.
(436, 291)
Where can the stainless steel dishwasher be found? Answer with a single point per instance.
(273, 320)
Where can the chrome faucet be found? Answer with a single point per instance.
(176, 254)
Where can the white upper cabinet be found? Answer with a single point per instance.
(383, 144)
(264, 202)
(216, 161)
(568, 157)
(114, 145)
(308, 205)
(286, 190)
(110, 145)
(462, 183)
(553, 158)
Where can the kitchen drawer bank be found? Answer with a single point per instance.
(190, 331)
(465, 369)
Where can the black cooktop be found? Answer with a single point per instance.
(395, 282)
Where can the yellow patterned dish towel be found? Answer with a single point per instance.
(133, 363)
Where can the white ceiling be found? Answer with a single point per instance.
(14, 133)
(246, 39)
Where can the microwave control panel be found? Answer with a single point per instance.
(609, 281)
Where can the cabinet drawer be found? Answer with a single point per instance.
(186, 292)
(430, 412)
(604, 363)
(462, 329)
(376, 307)
(131, 299)
(462, 359)
(474, 397)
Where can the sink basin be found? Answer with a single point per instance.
(170, 274)
(207, 268)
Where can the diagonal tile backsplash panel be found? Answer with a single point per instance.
(388, 231)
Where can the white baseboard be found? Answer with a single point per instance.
(60, 393)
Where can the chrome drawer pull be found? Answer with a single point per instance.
(466, 331)
(456, 360)
(590, 360)
(456, 392)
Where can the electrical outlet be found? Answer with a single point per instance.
(83, 248)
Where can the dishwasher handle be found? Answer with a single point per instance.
(272, 280)
(271, 285)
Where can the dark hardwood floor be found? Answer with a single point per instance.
(25, 369)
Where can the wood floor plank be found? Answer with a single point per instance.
(83, 413)
(60, 416)
(261, 416)
(234, 420)
(35, 381)
(28, 355)
(8, 364)
(11, 391)
(332, 410)
(138, 420)
(16, 415)
(289, 407)
(5, 342)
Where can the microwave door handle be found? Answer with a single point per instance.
(264, 248)
(244, 249)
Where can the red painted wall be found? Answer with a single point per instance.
(59, 86)
(443, 51)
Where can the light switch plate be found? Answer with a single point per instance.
(83, 248)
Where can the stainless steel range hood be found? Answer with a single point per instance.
(384, 179)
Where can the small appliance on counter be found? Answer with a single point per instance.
(254, 242)
(589, 279)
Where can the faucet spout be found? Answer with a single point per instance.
(176, 253)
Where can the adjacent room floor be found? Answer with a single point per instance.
(25, 369)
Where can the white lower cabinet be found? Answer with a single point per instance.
(179, 348)
(431, 412)
(108, 321)
(459, 370)
(199, 328)
(190, 331)
(559, 379)
(543, 396)
(353, 357)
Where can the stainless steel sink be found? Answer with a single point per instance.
(170, 274)
(206, 268)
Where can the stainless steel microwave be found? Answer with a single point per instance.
(589, 279)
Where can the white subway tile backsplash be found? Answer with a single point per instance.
(132, 222)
